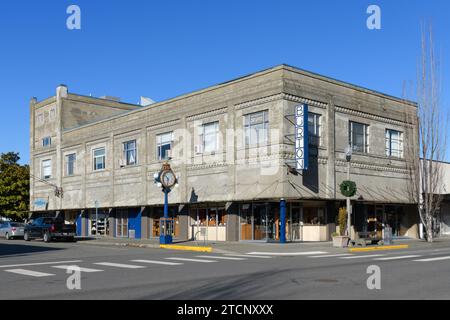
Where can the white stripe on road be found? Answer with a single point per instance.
(222, 258)
(365, 256)
(191, 260)
(119, 265)
(87, 270)
(333, 255)
(396, 258)
(433, 259)
(39, 264)
(288, 253)
(159, 262)
(248, 256)
(30, 273)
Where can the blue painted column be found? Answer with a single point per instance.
(283, 221)
(165, 237)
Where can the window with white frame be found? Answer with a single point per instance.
(130, 152)
(46, 169)
(47, 141)
(163, 145)
(314, 128)
(99, 159)
(359, 137)
(209, 137)
(70, 164)
(394, 143)
(257, 128)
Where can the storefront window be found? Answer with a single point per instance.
(314, 216)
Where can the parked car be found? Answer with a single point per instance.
(49, 229)
(11, 230)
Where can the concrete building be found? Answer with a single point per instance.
(232, 146)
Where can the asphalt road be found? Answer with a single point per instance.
(39, 271)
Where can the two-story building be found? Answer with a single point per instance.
(232, 146)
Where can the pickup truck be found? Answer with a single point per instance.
(49, 229)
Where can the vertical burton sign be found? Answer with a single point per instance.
(301, 137)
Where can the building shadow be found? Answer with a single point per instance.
(11, 250)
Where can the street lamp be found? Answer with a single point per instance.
(348, 157)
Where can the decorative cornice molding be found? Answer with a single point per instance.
(362, 165)
(163, 125)
(207, 114)
(258, 101)
(371, 116)
(310, 102)
(206, 166)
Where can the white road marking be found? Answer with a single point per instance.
(119, 265)
(248, 256)
(39, 264)
(159, 262)
(397, 258)
(30, 273)
(333, 255)
(365, 256)
(191, 260)
(433, 259)
(87, 270)
(222, 258)
(288, 253)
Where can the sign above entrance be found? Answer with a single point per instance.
(40, 204)
(301, 137)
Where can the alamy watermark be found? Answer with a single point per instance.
(374, 280)
(73, 22)
(74, 280)
(374, 20)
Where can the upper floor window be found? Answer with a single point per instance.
(314, 128)
(209, 137)
(359, 137)
(130, 152)
(70, 164)
(163, 145)
(394, 143)
(99, 159)
(47, 141)
(257, 128)
(46, 169)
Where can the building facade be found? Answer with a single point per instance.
(233, 148)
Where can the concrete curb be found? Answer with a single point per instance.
(186, 248)
(381, 248)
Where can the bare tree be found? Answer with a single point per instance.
(431, 121)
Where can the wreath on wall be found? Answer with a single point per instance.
(348, 188)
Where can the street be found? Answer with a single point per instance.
(38, 270)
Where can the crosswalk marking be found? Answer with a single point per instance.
(159, 262)
(119, 265)
(222, 258)
(288, 253)
(40, 264)
(365, 256)
(191, 260)
(397, 258)
(30, 273)
(333, 255)
(434, 259)
(87, 270)
(248, 256)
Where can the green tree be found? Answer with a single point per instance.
(14, 186)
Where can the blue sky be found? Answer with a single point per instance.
(162, 49)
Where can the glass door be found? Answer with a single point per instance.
(260, 222)
(246, 222)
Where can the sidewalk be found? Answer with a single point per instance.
(247, 247)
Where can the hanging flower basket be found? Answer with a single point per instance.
(348, 188)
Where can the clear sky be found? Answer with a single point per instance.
(162, 49)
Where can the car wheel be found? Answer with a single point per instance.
(47, 237)
(7, 237)
(26, 237)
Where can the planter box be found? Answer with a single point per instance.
(341, 241)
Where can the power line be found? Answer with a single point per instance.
(59, 192)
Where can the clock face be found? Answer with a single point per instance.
(168, 179)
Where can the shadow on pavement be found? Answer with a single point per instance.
(8, 250)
